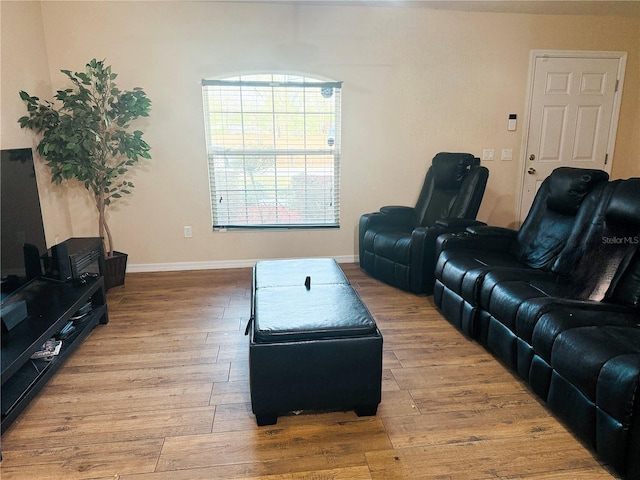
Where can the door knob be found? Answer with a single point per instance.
(532, 157)
(531, 171)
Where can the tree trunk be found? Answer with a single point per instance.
(103, 228)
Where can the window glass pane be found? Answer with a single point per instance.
(257, 99)
(289, 131)
(258, 130)
(320, 131)
(290, 100)
(273, 151)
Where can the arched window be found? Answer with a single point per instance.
(273, 144)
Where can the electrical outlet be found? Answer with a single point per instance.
(487, 154)
(187, 231)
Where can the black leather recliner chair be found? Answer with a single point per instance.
(397, 244)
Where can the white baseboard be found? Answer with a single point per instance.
(182, 266)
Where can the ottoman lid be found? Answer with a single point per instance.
(287, 314)
(285, 273)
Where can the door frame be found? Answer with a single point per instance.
(533, 56)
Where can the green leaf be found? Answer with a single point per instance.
(85, 130)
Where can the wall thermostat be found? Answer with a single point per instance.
(511, 126)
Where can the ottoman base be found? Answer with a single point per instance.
(330, 374)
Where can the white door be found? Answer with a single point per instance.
(573, 115)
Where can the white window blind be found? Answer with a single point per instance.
(274, 151)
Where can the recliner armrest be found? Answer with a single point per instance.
(397, 210)
(457, 224)
(479, 237)
(493, 231)
(392, 217)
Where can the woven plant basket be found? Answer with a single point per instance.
(114, 270)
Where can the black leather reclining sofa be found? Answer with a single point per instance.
(558, 301)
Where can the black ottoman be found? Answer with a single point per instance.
(313, 343)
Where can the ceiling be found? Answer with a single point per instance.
(540, 7)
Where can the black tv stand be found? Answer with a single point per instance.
(51, 305)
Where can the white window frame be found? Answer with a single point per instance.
(290, 181)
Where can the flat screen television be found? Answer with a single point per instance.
(20, 216)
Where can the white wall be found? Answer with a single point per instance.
(25, 66)
(416, 81)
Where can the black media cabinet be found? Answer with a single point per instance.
(51, 305)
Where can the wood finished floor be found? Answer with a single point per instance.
(162, 393)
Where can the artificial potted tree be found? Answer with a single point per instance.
(86, 137)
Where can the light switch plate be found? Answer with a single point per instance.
(487, 154)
